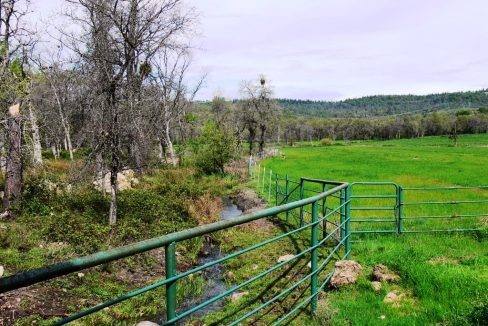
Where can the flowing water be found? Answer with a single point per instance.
(214, 276)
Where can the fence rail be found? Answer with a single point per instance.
(327, 214)
(308, 227)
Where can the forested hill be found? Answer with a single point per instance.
(381, 105)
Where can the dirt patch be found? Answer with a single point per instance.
(45, 301)
(248, 201)
(346, 272)
(381, 273)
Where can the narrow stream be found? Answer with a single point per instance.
(214, 276)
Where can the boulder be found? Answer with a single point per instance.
(146, 323)
(125, 180)
(2, 270)
(346, 272)
(381, 273)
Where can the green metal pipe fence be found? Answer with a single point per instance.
(325, 213)
(311, 224)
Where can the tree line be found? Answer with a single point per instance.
(381, 105)
(295, 129)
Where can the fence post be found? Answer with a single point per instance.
(400, 210)
(269, 185)
(286, 196)
(276, 190)
(348, 220)
(324, 213)
(342, 214)
(263, 181)
(301, 197)
(170, 267)
(314, 257)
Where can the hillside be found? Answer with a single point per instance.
(381, 105)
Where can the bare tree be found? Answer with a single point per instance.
(172, 95)
(14, 38)
(259, 112)
(117, 43)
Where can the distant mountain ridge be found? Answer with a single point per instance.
(384, 105)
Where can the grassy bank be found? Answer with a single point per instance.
(60, 219)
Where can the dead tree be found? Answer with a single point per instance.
(172, 96)
(14, 37)
(117, 42)
(259, 112)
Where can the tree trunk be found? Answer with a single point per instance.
(36, 138)
(161, 151)
(112, 218)
(252, 134)
(262, 140)
(13, 177)
(169, 144)
(69, 144)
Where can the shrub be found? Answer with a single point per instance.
(213, 149)
(326, 142)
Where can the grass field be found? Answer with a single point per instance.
(444, 277)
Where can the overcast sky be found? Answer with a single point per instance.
(337, 49)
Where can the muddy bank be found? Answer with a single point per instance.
(248, 201)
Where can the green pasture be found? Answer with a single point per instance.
(444, 276)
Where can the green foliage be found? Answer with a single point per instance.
(213, 149)
(463, 112)
(385, 104)
(326, 142)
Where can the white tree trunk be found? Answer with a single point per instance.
(169, 144)
(112, 217)
(36, 138)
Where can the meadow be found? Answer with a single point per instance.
(444, 276)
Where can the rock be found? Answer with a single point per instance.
(125, 179)
(146, 323)
(230, 274)
(2, 270)
(393, 297)
(238, 295)
(80, 275)
(382, 317)
(376, 286)
(309, 265)
(381, 273)
(254, 267)
(286, 257)
(346, 272)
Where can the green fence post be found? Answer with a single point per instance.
(400, 210)
(170, 267)
(263, 182)
(301, 197)
(348, 221)
(286, 195)
(314, 258)
(342, 214)
(324, 213)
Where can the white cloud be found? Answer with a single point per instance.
(332, 49)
